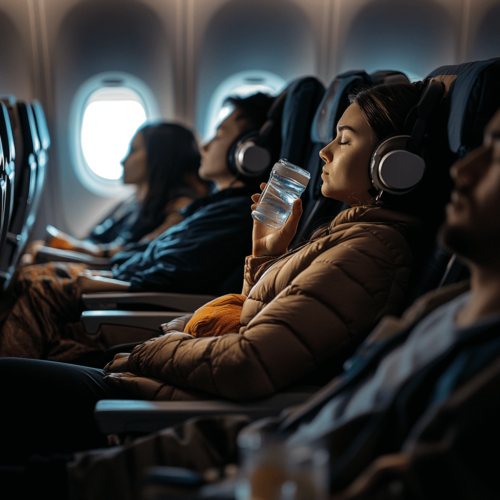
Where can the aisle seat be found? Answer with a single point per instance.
(27, 146)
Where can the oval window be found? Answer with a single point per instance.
(110, 120)
(240, 84)
(107, 111)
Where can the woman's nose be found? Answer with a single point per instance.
(326, 154)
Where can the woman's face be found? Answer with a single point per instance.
(346, 171)
(135, 164)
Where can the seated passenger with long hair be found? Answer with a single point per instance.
(305, 311)
(162, 163)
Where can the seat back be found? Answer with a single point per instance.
(471, 101)
(9, 153)
(27, 146)
(317, 208)
(41, 158)
(300, 101)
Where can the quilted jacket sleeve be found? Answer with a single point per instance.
(326, 309)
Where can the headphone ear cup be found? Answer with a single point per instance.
(393, 168)
(231, 154)
(246, 158)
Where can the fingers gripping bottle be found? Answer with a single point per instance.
(286, 183)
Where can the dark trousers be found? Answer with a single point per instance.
(47, 407)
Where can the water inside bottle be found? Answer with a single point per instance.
(277, 200)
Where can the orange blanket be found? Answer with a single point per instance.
(218, 317)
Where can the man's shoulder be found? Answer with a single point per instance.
(421, 308)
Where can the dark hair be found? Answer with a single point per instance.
(172, 153)
(253, 110)
(387, 106)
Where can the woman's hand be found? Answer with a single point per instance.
(267, 241)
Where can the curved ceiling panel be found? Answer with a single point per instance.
(414, 37)
(254, 34)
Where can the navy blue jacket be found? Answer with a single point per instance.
(198, 254)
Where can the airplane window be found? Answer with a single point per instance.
(110, 119)
(107, 110)
(241, 84)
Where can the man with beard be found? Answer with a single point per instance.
(414, 415)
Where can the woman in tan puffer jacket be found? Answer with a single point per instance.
(304, 313)
(305, 310)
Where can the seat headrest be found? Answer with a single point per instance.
(334, 103)
(41, 125)
(472, 100)
(302, 99)
(388, 76)
(31, 141)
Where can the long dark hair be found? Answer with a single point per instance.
(172, 154)
(391, 109)
(387, 106)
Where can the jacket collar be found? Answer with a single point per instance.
(374, 214)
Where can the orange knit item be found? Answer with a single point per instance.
(218, 317)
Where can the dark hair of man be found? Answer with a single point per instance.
(253, 109)
(172, 155)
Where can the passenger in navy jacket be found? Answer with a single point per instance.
(42, 318)
(215, 234)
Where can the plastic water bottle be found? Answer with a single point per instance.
(286, 183)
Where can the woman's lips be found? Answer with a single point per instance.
(324, 172)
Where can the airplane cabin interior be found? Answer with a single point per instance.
(249, 249)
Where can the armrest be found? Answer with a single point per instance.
(123, 416)
(169, 301)
(93, 320)
(48, 254)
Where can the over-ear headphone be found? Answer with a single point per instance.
(397, 165)
(249, 155)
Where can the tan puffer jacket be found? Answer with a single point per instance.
(305, 310)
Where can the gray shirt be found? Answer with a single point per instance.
(428, 339)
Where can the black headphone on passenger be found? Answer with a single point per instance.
(250, 155)
(397, 165)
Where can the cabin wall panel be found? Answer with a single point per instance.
(408, 35)
(88, 37)
(483, 40)
(183, 49)
(282, 36)
(18, 74)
